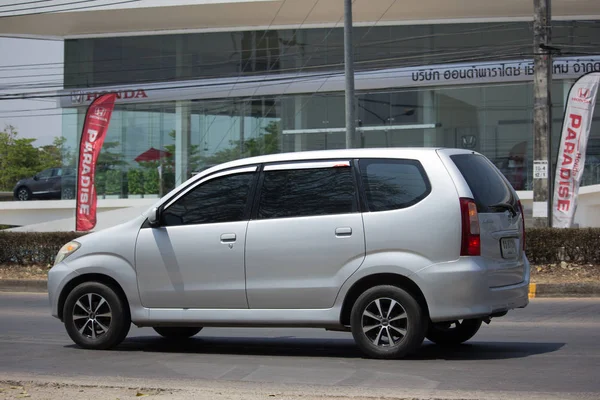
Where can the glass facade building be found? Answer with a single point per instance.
(189, 101)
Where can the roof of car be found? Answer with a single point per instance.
(325, 154)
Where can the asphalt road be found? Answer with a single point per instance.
(552, 346)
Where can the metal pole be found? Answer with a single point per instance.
(542, 125)
(349, 75)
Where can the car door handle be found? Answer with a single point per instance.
(345, 231)
(228, 238)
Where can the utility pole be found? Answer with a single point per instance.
(542, 117)
(349, 75)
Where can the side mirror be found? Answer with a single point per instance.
(36, 178)
(154, 217)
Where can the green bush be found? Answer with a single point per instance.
(113, 181)
(551, 246)
(28, 248)
(135, 178)
(151, 181)
(168, 181)
(100, 183)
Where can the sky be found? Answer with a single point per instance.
(27, 62)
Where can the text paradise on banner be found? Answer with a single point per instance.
(573, 144)
(94, 131)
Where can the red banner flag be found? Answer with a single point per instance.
(96, 123)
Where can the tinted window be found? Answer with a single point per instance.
(218, 200)
(47, 173)
(486, 183)
(306, 192)
(393, 184)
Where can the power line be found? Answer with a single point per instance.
(440, 56)
(23, 3)
(67, 9)
(380, 18)
(248, 61)
(417, 54)
(275, 79)
(339, 47)
(47, 6)
(487, 29)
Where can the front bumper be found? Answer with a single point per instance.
(460, 290)
(58, 277)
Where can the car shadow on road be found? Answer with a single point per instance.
(336, 348)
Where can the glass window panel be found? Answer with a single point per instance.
(307, 192)
(393, 184)
(216, 201)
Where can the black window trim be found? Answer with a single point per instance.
(214, 175)
(261, 179)
(384, 160)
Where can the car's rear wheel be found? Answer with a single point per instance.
(95, 317)
(23, 194)
(453, 332)
(68, 194)
(387, 322)
(176, 332)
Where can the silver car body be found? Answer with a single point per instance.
(299, 271)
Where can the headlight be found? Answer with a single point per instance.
(66, 251)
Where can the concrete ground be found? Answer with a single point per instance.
(548, 351)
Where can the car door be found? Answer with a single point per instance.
(39, 185)
(53, 182)
(195, 257)
(306, 236)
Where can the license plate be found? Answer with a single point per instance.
(509, 248)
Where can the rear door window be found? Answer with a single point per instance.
(391, 184)
(304, 192)
(490, 190)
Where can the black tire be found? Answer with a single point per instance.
(23, 194)
(183, 332)
(100, 332)
(453, 333)
(67, 194)
(387, 324)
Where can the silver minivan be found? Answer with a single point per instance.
(393, 245)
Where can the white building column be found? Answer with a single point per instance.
(429, 117)
(182, 140)
(299, 121)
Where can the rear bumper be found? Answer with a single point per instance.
(460, 290)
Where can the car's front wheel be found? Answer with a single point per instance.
(176, 332)
(95, 317)
(453, 332)
(23, 194)
(387, 322)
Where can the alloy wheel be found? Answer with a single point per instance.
(92, 316)
(67, 194)
(23, 194)
(385, 322)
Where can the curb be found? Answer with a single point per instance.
(24, 285)
(536, 290)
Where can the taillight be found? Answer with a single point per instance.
(471, 242)
(523, 221)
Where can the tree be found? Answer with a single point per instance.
(265, 143)
(57, 154)
(20, 159)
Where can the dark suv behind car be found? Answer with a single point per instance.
(51, 183)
